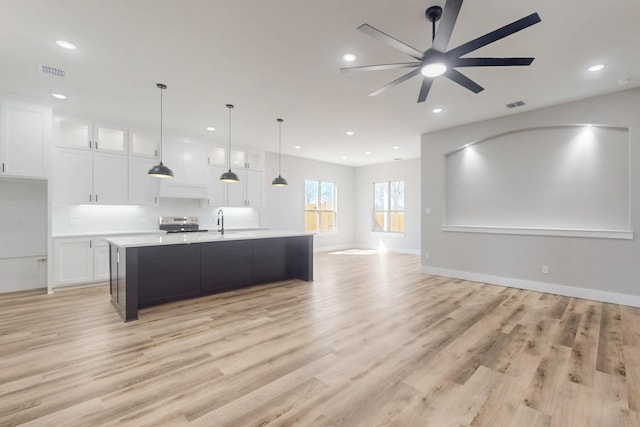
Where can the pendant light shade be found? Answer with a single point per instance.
(229, 176)
(279, 181)
(160, 170)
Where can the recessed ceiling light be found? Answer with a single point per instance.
(66, 44)
(596, 67)
(59, 96)
(350, 132)
(344, 157)
(297, 147)
(367, 152)
(211, 129)
(349, 57)
(437, 110)
(395, 147)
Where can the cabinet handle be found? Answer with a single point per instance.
(2, 166)
(209, 160)
(96, 145)
(90, 244)
(156, 199)
(96, 198)
(90, 198)
(155, 153)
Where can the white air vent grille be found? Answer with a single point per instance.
(52, 71)
(516, 104)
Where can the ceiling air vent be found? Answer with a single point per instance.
(516, 104)
(52, 71)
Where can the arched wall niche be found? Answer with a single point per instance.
(573, 178)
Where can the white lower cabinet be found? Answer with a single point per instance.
(80, 260)
(100, 260)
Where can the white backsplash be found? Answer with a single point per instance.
(106, 219)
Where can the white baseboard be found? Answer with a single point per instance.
(551, 288)
(392, 250)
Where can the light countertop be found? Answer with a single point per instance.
(198, 237)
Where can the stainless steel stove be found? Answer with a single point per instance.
(180, 224)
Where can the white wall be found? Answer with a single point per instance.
(284, 206)
(23, 234)
(598, 268)
(403, 170)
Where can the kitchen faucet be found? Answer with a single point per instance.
(220, 221)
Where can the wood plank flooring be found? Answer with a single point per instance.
(371, 342)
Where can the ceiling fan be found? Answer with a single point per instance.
(437, 60)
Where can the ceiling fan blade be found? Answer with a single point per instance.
(463, 80)
(394, 43)
(495, 35)
(395, 82)
(489, 62)
(425, 88)
(446, 24)
(382, 67)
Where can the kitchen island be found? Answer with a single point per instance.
(154, 269)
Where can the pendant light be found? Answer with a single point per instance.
(229, 176)
(160, 170)
(279, 181)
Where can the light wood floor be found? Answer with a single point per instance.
(370, 342)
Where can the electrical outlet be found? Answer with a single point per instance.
(426, 256)
(545, 269)
(427, 211)
(41, 262)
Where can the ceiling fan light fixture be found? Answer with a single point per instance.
(433, 69)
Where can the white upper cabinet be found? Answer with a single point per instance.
(83, 134)
(144, 142)
(72, 176)
(255, 160)
(187, 159)
(109, 179)
(216, 154)
(25, 139)
(143, 189)
(81, 177)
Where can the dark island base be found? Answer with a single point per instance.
(152, 275)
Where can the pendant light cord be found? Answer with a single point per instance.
(230, 107)
(280, 147)
(162, 87)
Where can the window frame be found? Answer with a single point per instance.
(389, 211)
(319, 211)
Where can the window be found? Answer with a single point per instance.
(319, 206)
(388, 206)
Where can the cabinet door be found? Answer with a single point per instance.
(109, 138)
(216, 154)
(217, 190)
(255, 160)
(254, 188)
(100, 260)
(143, 189)
(73, 260)
(72, 177)
(194, 159)
(238, 159)
(25, 140)
(72, 133)
(235, 190)
(109, 179)
(144, 142)
(226, 265)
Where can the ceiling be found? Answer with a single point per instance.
(281, 58)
